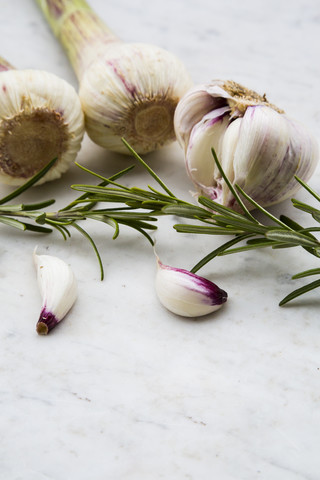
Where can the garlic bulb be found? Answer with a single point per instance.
(40, 119)
(187, 294)
(58, 288)
(258, 146)
(126, 90)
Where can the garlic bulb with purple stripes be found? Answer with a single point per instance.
(258, 146)
(127, 90)
(187, 294)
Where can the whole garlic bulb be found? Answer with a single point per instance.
(131, 91)
(127, 90)
(40, 119)
(258, 146)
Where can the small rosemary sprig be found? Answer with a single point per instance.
(139, 208)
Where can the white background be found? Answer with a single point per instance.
(122, 389)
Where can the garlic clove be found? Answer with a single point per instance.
(58, 288)
(270, 151)
(195, 104)
(40, 119)
(185, 293)
(199, 161)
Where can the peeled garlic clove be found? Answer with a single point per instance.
(185, 293)
(258, 146)
(40, 119)
(58, 288)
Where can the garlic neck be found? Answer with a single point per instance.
(242, 98)
(79, 29)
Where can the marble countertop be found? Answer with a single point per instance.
(122, 389)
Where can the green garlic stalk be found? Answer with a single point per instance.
(139, 208)
(40, 119)
(126, 89)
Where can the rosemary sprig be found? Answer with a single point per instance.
(139, 208)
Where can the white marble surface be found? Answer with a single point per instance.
(122, 389)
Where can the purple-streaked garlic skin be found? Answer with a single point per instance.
(259, 147)
(47, 321)
(5, 65)
(187, 294)
(126, 90)
(58, 288)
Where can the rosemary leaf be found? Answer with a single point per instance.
(102, 184)
(110, 221)
(233, 191)
(201, 229)
(149, 169)
(29, 183)
(37, 228)
(316, 216)
(261, 209)
(300, 291)
(217, 207)
(12, 222)
(88, 237)
(217, 251)
(248, 247)
(291, 237)
(243, 223)
(38, 206)
(145, 234)
(11, 208)
(61, 229)
(186, 211)
(309, 189)
(304, 206)
(307, 273)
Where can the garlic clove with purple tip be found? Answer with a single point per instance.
(185, 293)
(58, 288)
(258, 146)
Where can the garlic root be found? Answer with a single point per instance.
(40, 119)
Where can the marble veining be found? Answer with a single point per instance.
(122, 389)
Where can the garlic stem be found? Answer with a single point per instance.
(79, 30)
(40, 119)
(126, 89)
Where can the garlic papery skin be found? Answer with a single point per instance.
(58, 288)
(127, 90)
(5, 65)
(185, 293)
(259, 147)
(40, 119)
